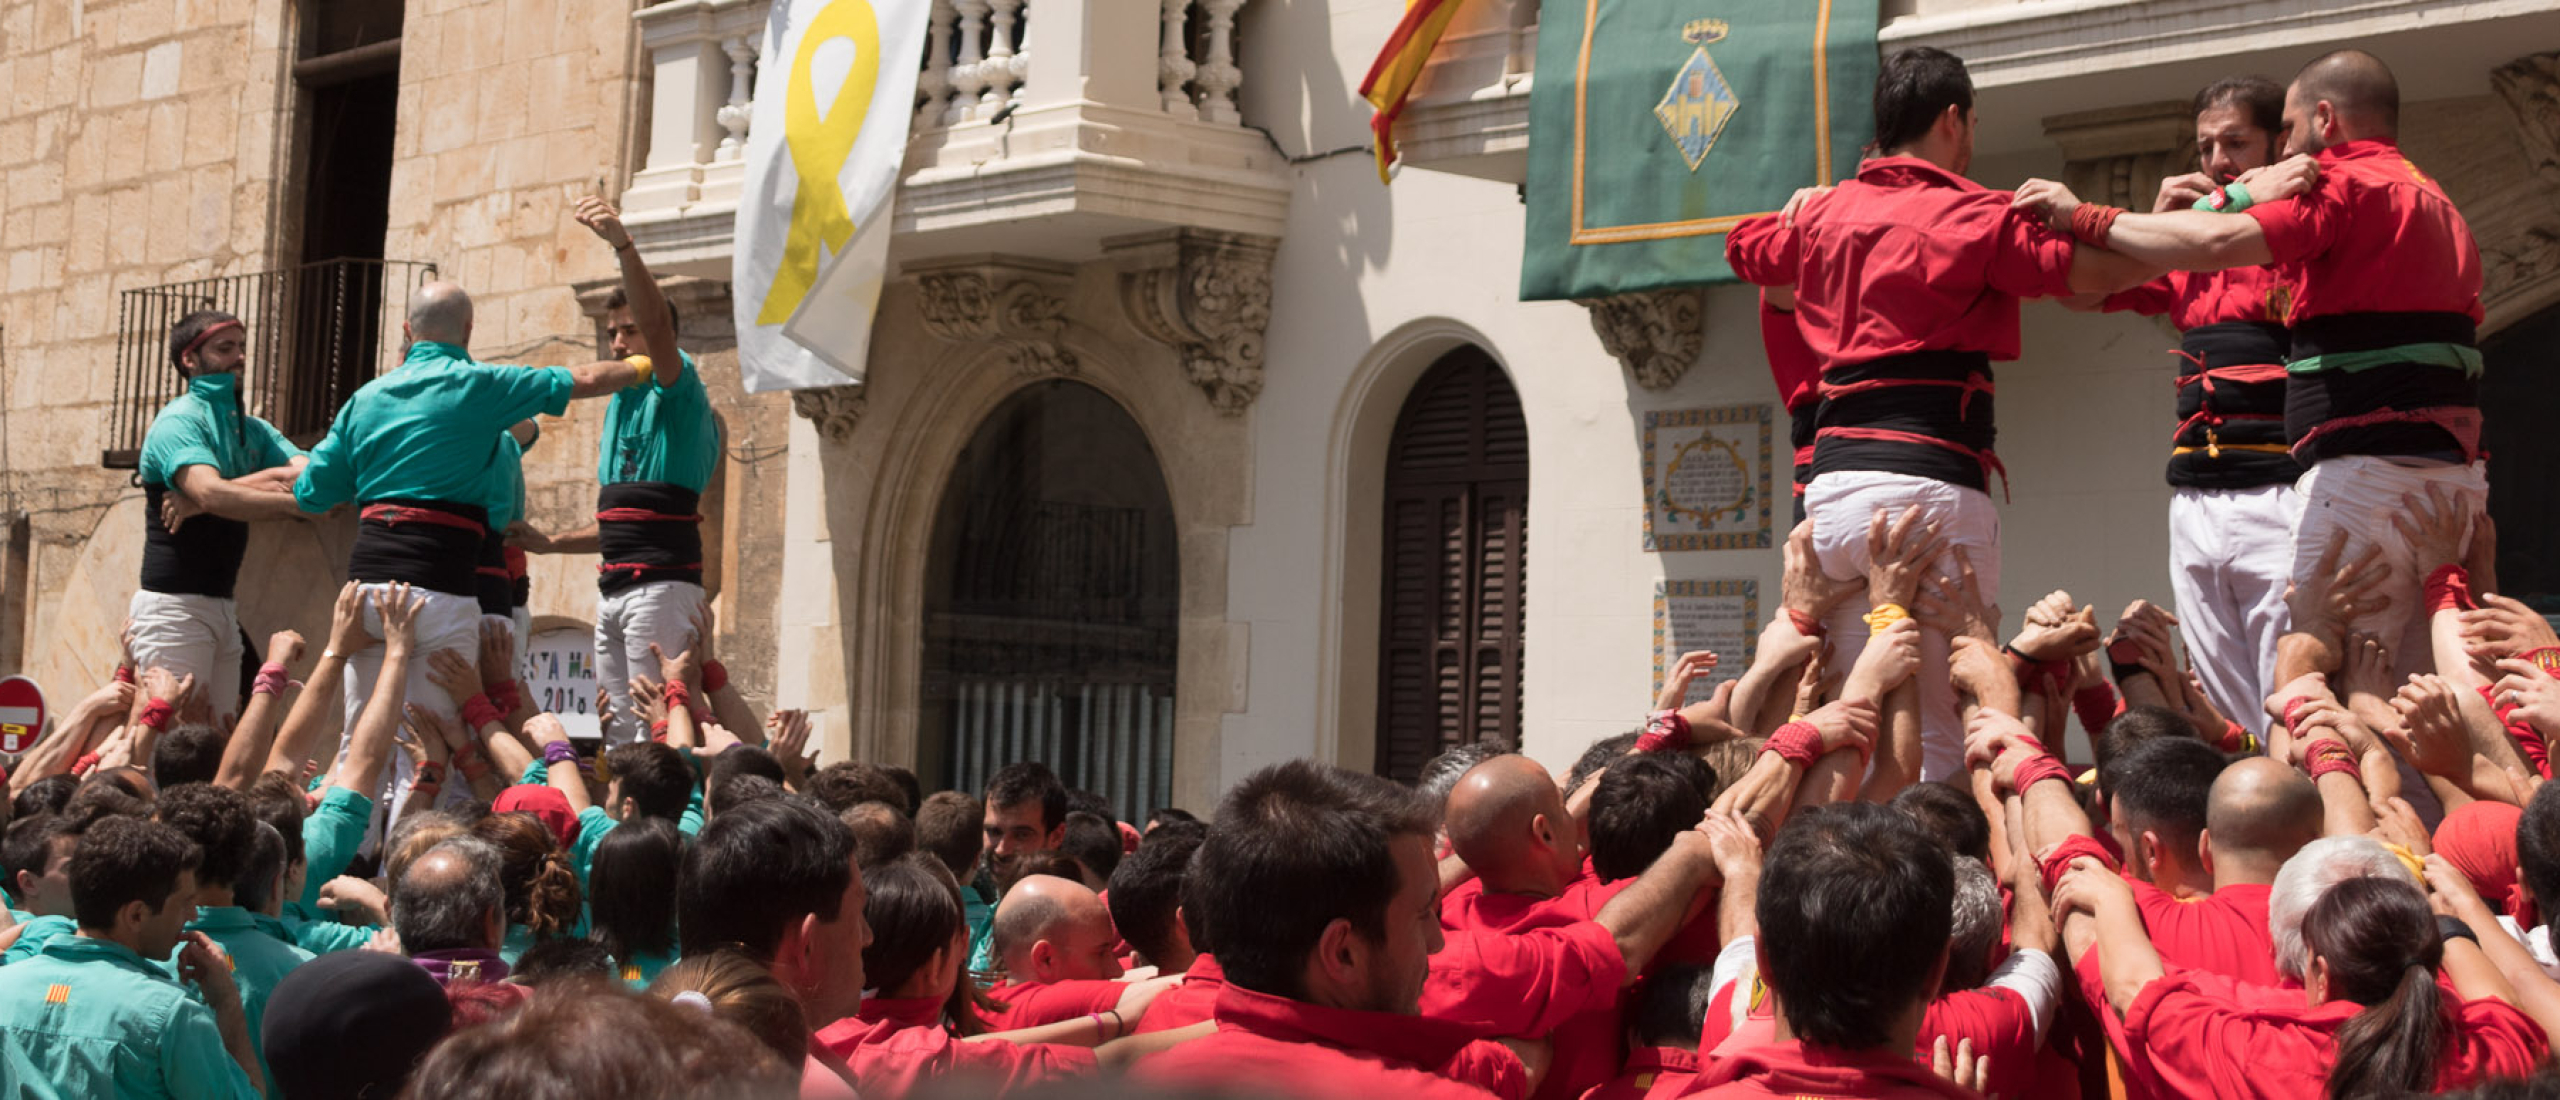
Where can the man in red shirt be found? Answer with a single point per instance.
(1054, 940)
(1318, 890)
(1855, 904)
(1668, 1014)
(1798, 376)
(1905, 284)
(2231, 506)
(2381, 401)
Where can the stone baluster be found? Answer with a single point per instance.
(1218, 73)
(933, 85)
(734, 115)
(1174, 68)
(1001, 77)
(968, 74)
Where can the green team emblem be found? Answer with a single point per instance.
(1699, 102)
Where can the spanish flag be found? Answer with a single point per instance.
(1398, 65)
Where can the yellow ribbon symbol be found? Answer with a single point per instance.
(819, 149)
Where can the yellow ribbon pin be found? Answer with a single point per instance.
(819, 150)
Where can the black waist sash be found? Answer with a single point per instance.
(2231, 394)
(2417, 409)
(1926, 414)
(201, 558)
(648, 531)
(433, 544)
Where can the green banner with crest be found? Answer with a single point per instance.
(1657, 125)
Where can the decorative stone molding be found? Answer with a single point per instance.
(1657, 333)
(1207, 295)
(835, 410)
(2119, 155)
(1019, 305)
(2531, 87)
(2520, 264)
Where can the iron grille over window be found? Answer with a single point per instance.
(315, 332)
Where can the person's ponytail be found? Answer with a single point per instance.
(2377, 940)
(553, 904)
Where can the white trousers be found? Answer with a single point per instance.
(2361, 493)
(195, 636)
(1842, 506)
(444, 622)
(2230, 556)
(628, 622)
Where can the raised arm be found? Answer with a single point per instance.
(648, 305)
(1646, 915)
(319, 699)
(369, 741)
(255, 736)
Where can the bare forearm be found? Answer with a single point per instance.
(2126, 956)
(1737, 906)
(250, 743)
(2190, 240)
(1762, 793)
(506, 752)
(369, 742)
(564, 777)
(1644, 916)
(310, 711)
(1897, 760)
(1761, 691)
(733, 712)
(2096, 272)
(585, 540)
(2052, 815)
(649, 311)
(2344, 811)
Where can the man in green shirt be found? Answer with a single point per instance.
(94, 1016)
(418, 450)
(218, 820)
(212, 468)
(660, 447)
(37, 855)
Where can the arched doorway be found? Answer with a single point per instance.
(1454, 566)
(1051, 603)
(2519, 396)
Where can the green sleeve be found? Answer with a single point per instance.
(510, 394)
(593, 824)
(320, 934)
(536, 774)
(193, 1062)
(330, 478)
(329, 838)
(178, 439)
(268, 448)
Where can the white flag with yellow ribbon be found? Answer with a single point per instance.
(834, 97)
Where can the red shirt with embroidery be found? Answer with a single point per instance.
(1906, 257)
(2376, 235)
(1652, 1073)
(2002, 1030)
(1786, 1071)
(1271, 1044)
(2203, 1042)
(1188, 1003)
(895, 1046)
(1031, 1004)
(2194, 299)
(2224, 932)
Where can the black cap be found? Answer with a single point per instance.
(351, 1024)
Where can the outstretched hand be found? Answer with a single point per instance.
(1902, 551)
(604, 221)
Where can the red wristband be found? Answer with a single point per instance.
(1798, 743)
(2293, 710)
(677, 695)
(2036, 769)
(2075, 846)
(156, 713)
(506, 696)
(273, 678)
(124, 674)
(88, 761)
(2449, 589)
(714, 677)
(1807, 625)
(2326, 755)
(1665, 731)
(658, 731)
(479, 712)
(2236, 738)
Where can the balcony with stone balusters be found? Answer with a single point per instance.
(1042, 129)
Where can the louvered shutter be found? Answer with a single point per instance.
(1457, 502)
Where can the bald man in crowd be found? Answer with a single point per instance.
(1537, 947)
(1054, 939)
(2382, 396)
(418, 450)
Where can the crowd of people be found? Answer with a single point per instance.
(2309, 856)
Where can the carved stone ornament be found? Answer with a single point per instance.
(1207, 295)
(1018, 305)
(1656, 333)
(2531, 87)
(2119, 155)
(835, 410)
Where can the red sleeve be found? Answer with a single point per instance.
(2072, 847)
(2302, 226)
(2496, 1041)
(2199, 1044)
(2096, 706)
(1057, 1001)
(1763, 251)
(2151, 299)
(2028, 259)
(1792, 364)
(1489, 1066)
(1524, 984)
(2002, 1030)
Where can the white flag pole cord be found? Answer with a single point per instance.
(825, 142)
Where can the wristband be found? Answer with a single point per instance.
(481, 713)
(2236, 738)
(1884, 615)
(88, 762)
(1797, 743)
(714, 677)
(677, 695)
(2326, 755)
(2036, 769)
(2450, 928)
(2031, 741)
(1664, 731)
(2449, 589)
(1807, 625)
(2091, 222)
(156, 713)
(429, 786)
(273, 678)
(559, 752)
(465, 755)
(640, 368)
(430, 771)
(658, 731)
(2230, 198)
(124, 674)
(2293, 710)
(2076, 846)
(2121, 671)
(506, 695)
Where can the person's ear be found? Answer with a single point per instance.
(1058, 835)
(1343, 954)
(1044, 955)
(2204, 852)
